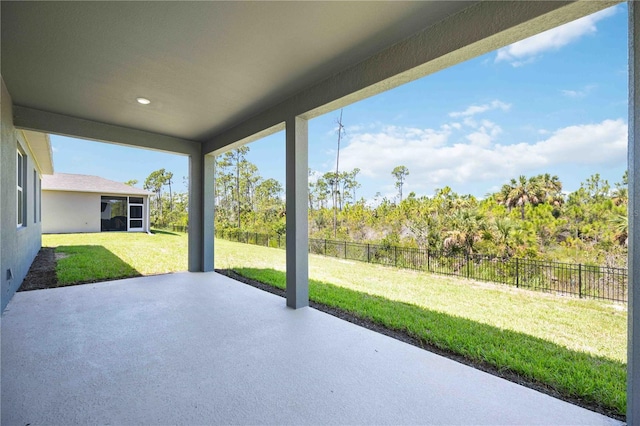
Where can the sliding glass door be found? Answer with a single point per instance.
(113, 213)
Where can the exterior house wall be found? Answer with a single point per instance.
(72, 211)
(18, 245)
(66, 212)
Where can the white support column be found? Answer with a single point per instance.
(633, 357)
(201, 203)
(297, 164)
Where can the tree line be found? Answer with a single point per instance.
(528, 217)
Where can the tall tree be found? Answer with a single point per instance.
(340, 132)
(167, 178)
(400, 173)
(597, 188)
(269, 201)
(236, 158)
(311, 190)
(322, 191)
(154, 183)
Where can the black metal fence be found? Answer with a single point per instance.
(585, 281)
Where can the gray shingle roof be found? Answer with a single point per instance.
(86, 183)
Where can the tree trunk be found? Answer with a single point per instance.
(238, 189)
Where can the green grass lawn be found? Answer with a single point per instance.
(595, 327)
(577, 347)
(109, 255)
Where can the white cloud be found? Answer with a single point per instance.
(477, 109)
(528, 50)
(603, 143)
(485, 134)
(434, 160)
(573, 93)
(578, 93)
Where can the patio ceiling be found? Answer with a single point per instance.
(203, 65)
(210, 68)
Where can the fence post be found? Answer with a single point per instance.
(468, 266)
(368, 253)
(345, 249)
(395, 256)
(325, 246)
(428, 262)
(580, 280)
(517, 273)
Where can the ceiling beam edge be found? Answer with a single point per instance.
(47, 122)
(465, 35)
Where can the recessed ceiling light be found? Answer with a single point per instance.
(143, 101)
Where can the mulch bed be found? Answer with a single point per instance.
(42, 275)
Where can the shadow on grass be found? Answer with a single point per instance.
(89, 264)
(593, 382)
(164, 232)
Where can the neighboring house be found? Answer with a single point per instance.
(25, 156)
(83, 203)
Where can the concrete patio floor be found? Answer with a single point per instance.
(200, 348)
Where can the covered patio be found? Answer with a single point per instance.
(200, 348)
(197, 347)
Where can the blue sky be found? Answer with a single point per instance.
(555, 103)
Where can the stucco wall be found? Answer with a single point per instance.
(18, 246)
(71, 212)
(65, 212)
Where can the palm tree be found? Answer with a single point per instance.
(503, 230)
(620, 196)
(468, 227)
(620, 223)
(552, 188)
(519, 193)
(400, 173)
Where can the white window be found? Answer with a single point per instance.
(35, 196)
(39, 200)
(21, 178)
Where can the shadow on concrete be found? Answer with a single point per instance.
(517, 357)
